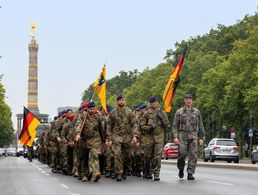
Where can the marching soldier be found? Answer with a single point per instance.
(187, 129)
(155, 122)
(121, 130)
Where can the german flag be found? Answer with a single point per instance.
(30, 123)
(172, 83)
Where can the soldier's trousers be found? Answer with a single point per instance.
(122, 157)
(76, 158)
(84, 158)
(94, 160)
(109, 159)
(136, 160)
(156, 162)
(187, 146)
(147, 156)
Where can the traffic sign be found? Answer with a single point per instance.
(250, 132)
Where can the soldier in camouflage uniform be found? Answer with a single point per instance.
(154, 123)
(68, 136)
(77, 156)
(136, 150)
(42, 146)
(187, 129)
(121, 130)
(58, 145)
(147, 143)
(89, 131)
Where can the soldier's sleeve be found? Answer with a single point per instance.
(110, 125)
(144, 122)
(175, 126)
(165, 121)
(80, 125)
(101, 131)
(134, 126)
(64, 133)
(201, 132)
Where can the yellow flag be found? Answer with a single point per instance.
(100, 88)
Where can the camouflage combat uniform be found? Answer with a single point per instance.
(90, 144)
(188, 127)
(153, 125)
(120, 130)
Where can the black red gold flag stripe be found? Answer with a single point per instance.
(30, 123)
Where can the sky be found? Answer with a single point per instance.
(77, 37)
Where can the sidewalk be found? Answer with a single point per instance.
(244, 164)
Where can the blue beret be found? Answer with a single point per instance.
(109, 108)
(153, 99)
(143, 106)
(120, 97)
(91, 105)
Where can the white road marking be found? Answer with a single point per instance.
(43, 172)
(47, 174)
(222, 183)
(65, 186)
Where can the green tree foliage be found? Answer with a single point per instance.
(6, 130)
(221, 72)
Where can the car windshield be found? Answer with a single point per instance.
(226, 143)
(10, 149)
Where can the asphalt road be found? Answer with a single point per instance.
(18, 176)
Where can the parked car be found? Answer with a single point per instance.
(2, 151)
(254, 156)
(11, 151)
(20, 151)
(222, 149)
(170, 150)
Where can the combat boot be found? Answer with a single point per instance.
(97, 177)
(108, 174)
(84, 179)
(181, 173)
(190, 176)
(124, 176)
(113, 175)
(119, 178)
(138, 174)
(156, 177)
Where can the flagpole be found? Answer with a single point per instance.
(94, 92)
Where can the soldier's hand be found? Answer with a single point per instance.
(176, 141)
(134, 140)
(201, 142)
(109, 143)
(58, 139)
(78, 137)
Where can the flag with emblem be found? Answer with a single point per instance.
(28, 133)
(100, 88)
(172, 83)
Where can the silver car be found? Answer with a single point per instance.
(222, 149)
(254, 156)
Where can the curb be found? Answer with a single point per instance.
(217, 165)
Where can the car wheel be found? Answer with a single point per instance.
(252, 161)
(236, 161)
(166, 157)
(229, 161)
(212, 159)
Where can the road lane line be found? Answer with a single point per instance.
(222, 183)
(65, 186)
